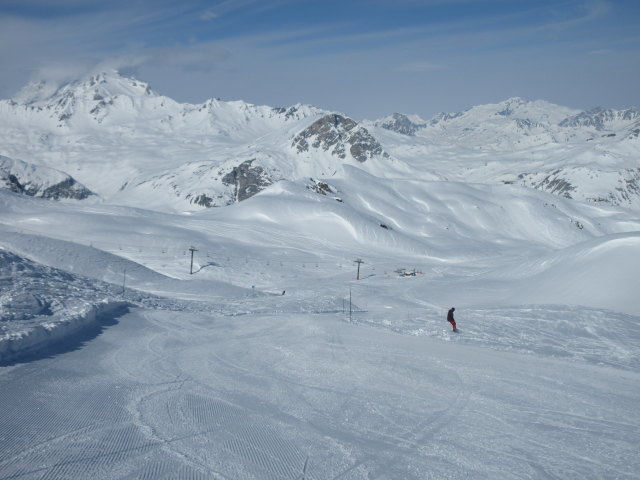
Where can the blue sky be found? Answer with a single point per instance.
(363, 58)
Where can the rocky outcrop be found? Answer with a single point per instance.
(556, 185)
(340, 136)
(599, 118)
(10, 182)
(444, 117)
(620, 188)
(402, 124)
(203, 200)
(39, 181)
(67, 188)
(247, 180)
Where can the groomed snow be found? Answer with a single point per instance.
(117, 362)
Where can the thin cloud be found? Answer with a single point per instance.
(247, 6)
(201, 58)
(590, 11)
(208, 14)
(225, 45)
(62, 72)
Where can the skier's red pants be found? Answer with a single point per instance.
(453, 323)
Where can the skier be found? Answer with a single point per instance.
(450, 318)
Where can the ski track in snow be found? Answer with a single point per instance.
(270, 386)
(191, 395)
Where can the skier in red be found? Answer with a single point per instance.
(450, 318)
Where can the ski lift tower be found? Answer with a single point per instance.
(192, 249)
(358, 261)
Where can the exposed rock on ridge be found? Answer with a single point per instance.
(402, 124)
(598, 118)
(38, 181)
(247, 180)
(339, 135)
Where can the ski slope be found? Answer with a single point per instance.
(117, 362)
(202, 395)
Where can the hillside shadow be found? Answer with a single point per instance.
(73, 342)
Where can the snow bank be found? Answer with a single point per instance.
(37, 336)
(40, 305)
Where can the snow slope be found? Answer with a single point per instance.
(265, 357)
(220, 375)
(475, 245)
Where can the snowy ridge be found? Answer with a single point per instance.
(134, 147)
(587, 156)
(602, 119)
(96, 87)
(129, 143)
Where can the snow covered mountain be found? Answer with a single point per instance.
(603, 119)
(590, 156)
(132, 146)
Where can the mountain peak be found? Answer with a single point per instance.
(403, 124)
(111, 83)
(514, 101)
(94, 86)
(339, 134)
(511, 105)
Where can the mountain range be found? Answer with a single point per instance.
(112, 139)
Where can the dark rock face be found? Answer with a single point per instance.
(526, 124)
(247, 180)
(630, 185)
(556, 186)
(289, 113)
(401, 124)
(559, 182)
(599, 117)
(10, 182)
(339, 134)
(15, 177)
(68, 188)
(321, 187)
(202, 200)
(553, 183)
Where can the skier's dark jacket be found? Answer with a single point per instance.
(450, 315)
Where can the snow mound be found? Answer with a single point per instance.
(40, 305)
(602, 272)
